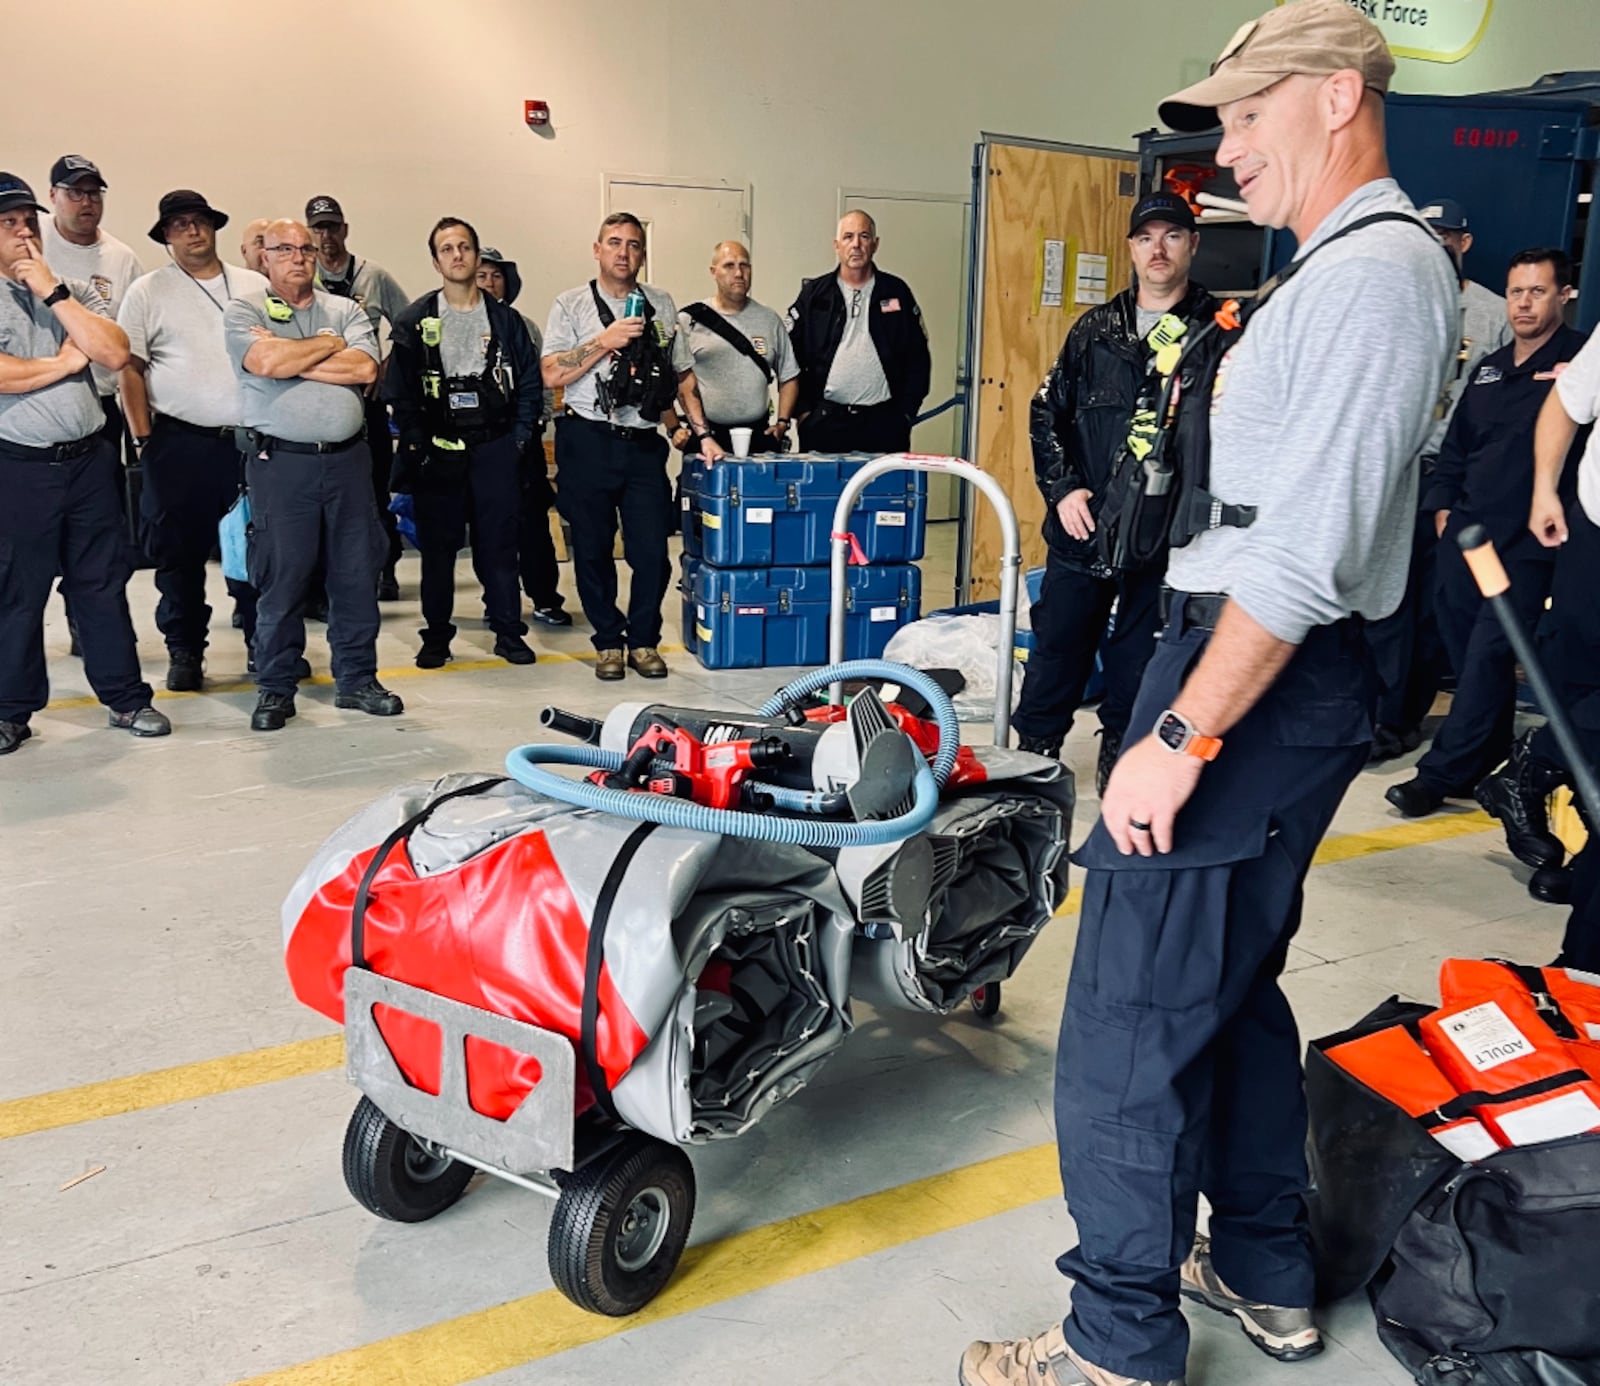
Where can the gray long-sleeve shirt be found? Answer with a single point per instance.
(1318, 416)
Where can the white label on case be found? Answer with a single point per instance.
(759, 516)
(885, 613)
(1567, 1115)
(1486, 1037)
(895, 519)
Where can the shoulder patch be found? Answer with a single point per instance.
(1487, 375)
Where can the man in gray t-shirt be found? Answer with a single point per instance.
(59, 508)
(739, 348)
(611, 464)
(380, 296)
(304, 359)
(1178, 1068)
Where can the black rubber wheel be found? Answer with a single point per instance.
(986, 1001)
(390, 1173)
(621, 1224)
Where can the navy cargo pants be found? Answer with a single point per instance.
(303, 505)
(1178, 1071)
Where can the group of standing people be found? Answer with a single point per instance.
(269, 380)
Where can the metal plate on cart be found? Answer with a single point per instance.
(536, 1137)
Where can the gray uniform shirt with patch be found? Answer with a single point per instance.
(1319, 413)
(733, 387)
(300, 410)
(856, 375)
(575, 320)
(175, 326)
(60, 413)
(1484, 328)
(464, 338)
(108, 266)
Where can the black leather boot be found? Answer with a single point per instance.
(1110, 749)
(1041, 746)
(1515, 794)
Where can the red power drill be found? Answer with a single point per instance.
(713, 775)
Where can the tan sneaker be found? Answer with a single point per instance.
(1288, 1335)
(647, 663)
(609, 665)
(1042, 1361)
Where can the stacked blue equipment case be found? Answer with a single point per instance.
(756, 547)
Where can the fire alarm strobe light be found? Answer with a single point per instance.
(537, 112)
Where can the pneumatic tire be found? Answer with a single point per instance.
(390, 1173)
(621, 1224)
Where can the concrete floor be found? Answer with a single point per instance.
(139, 932)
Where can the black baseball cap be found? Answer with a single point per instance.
(15, 193)
(490, 256)
(324, 211)
(177, 203)
(1161, 206)
(1444, 214)
(74, 168)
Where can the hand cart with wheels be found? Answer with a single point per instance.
(624, 1196)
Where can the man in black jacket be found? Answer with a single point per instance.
(465, 386)
(1079, 422)
(862, 347)
(1484, 475)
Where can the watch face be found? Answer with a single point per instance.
(1172, 730)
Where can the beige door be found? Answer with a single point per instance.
(925, 240)
(1054, 224)
(683, 219)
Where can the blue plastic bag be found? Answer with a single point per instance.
(233, 539)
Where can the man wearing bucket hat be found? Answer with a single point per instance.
(58, 472)
(1178, 1071)
(536, 551)
(183, 405)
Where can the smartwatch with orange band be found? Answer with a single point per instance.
(1177, 734)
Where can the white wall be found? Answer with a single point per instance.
(408, 110)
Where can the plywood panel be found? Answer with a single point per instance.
(1033, 195)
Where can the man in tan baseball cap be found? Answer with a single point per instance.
(1178, 1071)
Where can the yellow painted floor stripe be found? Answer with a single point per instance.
(21, 1116)
(400, 671)
(538, 1326)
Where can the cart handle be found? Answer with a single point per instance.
(1010, 566)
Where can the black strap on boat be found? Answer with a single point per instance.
(358, 911)
(595, 959)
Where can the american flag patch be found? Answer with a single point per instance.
(890, 305)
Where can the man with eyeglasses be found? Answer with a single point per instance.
(183, 406)
(60, 513)
(380, 296)
(862, 347)
(304, 359)
(1079, 424)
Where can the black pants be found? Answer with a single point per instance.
(1178, 1071)
(65, 519)
(1476, 734)
(1407, 650)
(1569, 648)
(877, 428)
(489, 496)
(1069, 623)
(536, 551)
(303, 505)
(381, 445)
(190, 480)
(602, 476)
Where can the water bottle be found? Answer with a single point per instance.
(633, 305)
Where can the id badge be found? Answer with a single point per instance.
(463, 399)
